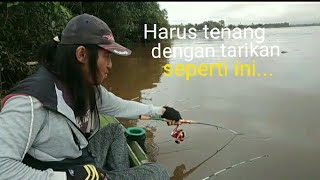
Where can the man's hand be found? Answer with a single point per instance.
(88, 171)
(171, 114)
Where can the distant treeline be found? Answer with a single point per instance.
(27, 25)
(221, 24)
(270, 25)
(299, 25)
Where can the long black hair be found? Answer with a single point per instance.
(61, 60)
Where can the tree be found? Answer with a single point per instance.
(21, 37)
(221, 22)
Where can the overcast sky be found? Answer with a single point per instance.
(242, 12)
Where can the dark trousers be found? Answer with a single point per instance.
(109, 148)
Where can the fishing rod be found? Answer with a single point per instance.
(233, 166)
(186, 109)
(179, 134)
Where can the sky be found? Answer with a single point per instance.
(242, 12)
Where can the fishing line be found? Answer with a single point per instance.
(170, 122)
(220, 149)
(179, 136)
(234, 132)
(185, 174)
(208, 124)
(235, 165)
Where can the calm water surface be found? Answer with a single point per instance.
(284, 107)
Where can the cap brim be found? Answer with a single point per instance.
(117, 49)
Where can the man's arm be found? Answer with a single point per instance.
(20, 121)
(113, 105)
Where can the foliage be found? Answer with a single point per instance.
(126, 19)
(221, 24)
(199, 27)
(25, 26)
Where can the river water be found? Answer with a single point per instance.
(278, 114)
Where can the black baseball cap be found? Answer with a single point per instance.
(88, 29)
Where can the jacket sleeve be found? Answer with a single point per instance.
(20, 121)
(113, 105)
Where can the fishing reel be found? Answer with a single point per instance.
(178, 134)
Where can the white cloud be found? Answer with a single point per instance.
(242, 12)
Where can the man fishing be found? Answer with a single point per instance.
(49, 122)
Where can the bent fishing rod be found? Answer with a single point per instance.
(211, 156)
(179, 134)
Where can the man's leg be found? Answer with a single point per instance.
(150, 171)
(109, 147)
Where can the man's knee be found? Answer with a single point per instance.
(113, 128)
